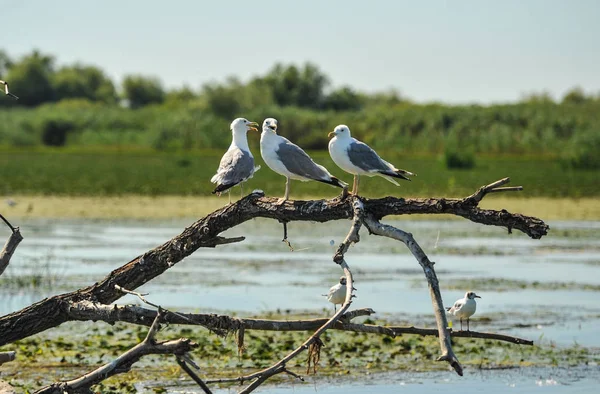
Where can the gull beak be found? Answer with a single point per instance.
(253, 126)
(332, 134)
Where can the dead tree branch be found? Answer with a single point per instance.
(313, 343)
(223, 324)
(6, 357)
(375, 227)
(54, 311)
(184, 365)
(124, 362)
(10, 246)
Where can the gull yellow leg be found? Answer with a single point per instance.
(287, 192)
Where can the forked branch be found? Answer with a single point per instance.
(124, 362)
(375, 227)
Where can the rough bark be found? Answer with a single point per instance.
(205, 232)
(10, 246)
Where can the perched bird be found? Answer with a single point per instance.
(6, 90)
(358, 158)
(237, 164)
(464, 308)
(337, 293)
(290, 160)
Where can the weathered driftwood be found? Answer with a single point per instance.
(124, 362)
(10, 246)
(375, 227)
(91, 303)
(54, 311)
(224, 324)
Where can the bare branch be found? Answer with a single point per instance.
(153, 263)
(193, 375)
(6, 357)
(375, 227)
(10, 246)
(223, 324)
(124, 362)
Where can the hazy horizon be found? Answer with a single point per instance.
(464, 52)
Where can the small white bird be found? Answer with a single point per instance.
(289, 160)
(337, 293)
(237, 164)
(358, 158)
(464, 308)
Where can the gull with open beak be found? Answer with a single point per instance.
(9, 94)
(289, 160)
(358, 158)
(237, 164)
(464, 308)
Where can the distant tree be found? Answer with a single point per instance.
(79, 81)
(141, 91)
(343, 99)
(391, 97)
(177, 96)
(300, 87)
(541, 97)
(575, 96)
(223, 100)
(31, 77)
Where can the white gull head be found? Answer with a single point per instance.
(340, 131)
(270, 125)
(242, 125)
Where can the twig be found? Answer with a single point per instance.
(285, 237)
(142, 297)
(124, 362)
(493, 188)
(193, 375)
(12, 228)
(375, 227)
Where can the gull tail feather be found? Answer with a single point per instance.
(334, 182)
(400, 174)
(223, 187)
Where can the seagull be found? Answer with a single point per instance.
(237, 164)
(337, 293)
(6, 90)
(289, 160)
(358, 158)
(464, 308)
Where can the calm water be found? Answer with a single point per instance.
(261, 274)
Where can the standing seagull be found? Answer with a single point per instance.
(464, 308)
(290, 160)
(6, 90)
(358, 158)
(237, 164)
(337, 293)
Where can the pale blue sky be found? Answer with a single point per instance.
(451, 51)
